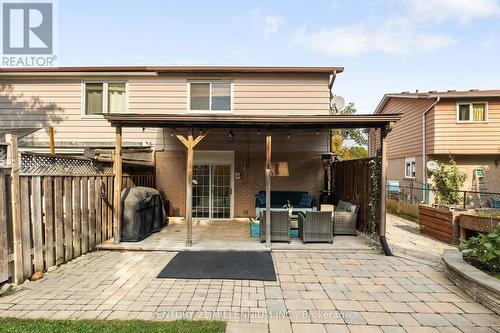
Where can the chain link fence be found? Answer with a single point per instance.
(415, 192)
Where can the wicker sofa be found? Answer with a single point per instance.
(279, 198)
(344, 218)
(280, 226)
(316, 227)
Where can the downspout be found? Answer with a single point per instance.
(424, 155)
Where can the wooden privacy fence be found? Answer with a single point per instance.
(61, 217)
(352, 182)
(437, 223)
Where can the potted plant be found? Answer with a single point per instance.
(288, 206)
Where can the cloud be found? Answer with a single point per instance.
(397, 36)
(463, 10)
(271, 24)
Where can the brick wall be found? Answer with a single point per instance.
(305, 169)
(171, 178)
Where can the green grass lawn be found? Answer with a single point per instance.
(105, 326)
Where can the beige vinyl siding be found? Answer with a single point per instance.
(57, 102)
(430, 131)
(466, 138)
(290, 95)
(405, 139)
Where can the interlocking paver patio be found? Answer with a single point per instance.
(316, 291)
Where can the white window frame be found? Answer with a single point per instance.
(105, 91)
(470, 112)
(231, 91)
(410, 160)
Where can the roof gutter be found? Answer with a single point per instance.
(424, 155)
(77, 74)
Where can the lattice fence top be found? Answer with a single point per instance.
(62, 165)
(3, 155)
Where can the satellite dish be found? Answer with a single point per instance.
(432, 166)
(337, 103)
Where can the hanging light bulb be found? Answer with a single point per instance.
(230, 136)
(288, 135)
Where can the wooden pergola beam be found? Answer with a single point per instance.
(117, 205)
(190, 142)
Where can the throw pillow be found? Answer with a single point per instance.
(261, 199)
(306, 200)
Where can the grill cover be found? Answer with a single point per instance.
(143, 213)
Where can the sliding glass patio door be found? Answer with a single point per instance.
(212, 191)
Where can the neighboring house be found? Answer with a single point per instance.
(436, 125)
(228, 164)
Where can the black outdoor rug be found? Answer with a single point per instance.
(220, 265)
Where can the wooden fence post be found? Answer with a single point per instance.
(117, 209)
(13, 154)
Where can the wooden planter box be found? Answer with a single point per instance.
(436, 223)
(476, 223)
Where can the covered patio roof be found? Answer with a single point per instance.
(266, 122)
(251, 121)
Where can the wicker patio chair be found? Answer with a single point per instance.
(280, 226)
(344, 219)
(316, 227)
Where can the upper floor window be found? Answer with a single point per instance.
(210, 96)
(102, 97)
(472, 112)
(410, 167)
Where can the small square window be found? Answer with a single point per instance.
(104, 97)
(210, 96)
(410, 167)
(471, 112)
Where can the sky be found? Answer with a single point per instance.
(384, 45)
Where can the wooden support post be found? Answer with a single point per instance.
(16, 208)
(268, 189)
(383, 181)
(117, 205)
(190, 143)
(383, 189)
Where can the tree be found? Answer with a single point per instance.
(339, 135)
(448, 180)
(356, 152)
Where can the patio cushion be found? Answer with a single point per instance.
(306, 200)
(261, 198)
